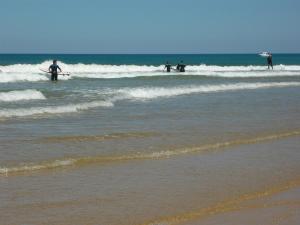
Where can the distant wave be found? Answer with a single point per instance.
(35, 111)
(32, 73)
(13, 96)
(60, 163)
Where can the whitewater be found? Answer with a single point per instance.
(23, 95)
(33, 73)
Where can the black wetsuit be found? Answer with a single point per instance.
(168, 66)
(270, 62)
(182, 68)
(53, 69)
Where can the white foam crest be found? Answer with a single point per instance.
(215, 68)
(25, 73)
(79, 68)
(97, 68)
(36, 167)
(228, 74)
(252, 74)
(23, 112)
(31, 72)
(157, 92)
(25, 68)
(13, 77)
(23, 95)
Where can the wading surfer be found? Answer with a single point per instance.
(168, 66)
(270, 61)
(181, 67)
(53, 70)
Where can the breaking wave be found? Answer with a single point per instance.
(35, 111)
(139, 94)
(32, 72)
(23, 95)
(156, 92)
(14, 77)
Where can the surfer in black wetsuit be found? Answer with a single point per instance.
(168, 67)
(53, 70)
(181, 67)
(270, 61)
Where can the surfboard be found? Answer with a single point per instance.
(264, 54)
(63, 74)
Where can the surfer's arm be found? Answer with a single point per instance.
(59, 68)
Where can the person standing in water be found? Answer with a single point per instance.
(181, 67)
(53, 70)
(270, 61)
(168, 67)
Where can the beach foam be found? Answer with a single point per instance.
(157, 92)
(21, 77)
(32, 72)
(13, 96)
(71, 108)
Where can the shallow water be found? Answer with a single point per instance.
(122, 142)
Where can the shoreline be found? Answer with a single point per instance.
(280, 208)
(269, 207)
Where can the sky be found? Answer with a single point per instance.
(149, 26)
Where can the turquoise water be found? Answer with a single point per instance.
(194, 59)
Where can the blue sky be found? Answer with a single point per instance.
(149, 26)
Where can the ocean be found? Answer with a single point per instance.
(121, 141)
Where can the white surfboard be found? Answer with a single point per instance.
(264, 54)
(60, 73)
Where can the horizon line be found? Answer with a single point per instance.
(246, 53)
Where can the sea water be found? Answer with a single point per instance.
(124, 128)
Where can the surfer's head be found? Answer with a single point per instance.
(54, 61)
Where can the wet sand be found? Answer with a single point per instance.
(279, 209)
(228, 185)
